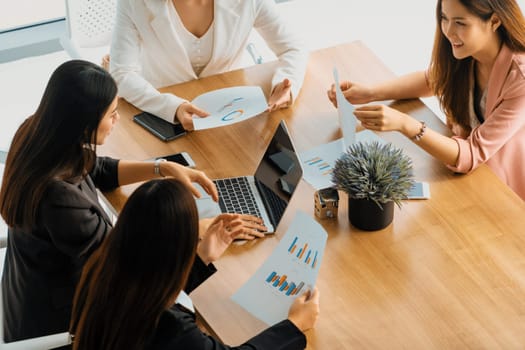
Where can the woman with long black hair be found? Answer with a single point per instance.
(132, 293)
(49, 201)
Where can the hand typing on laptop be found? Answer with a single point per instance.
(266, 193)
(239, 226)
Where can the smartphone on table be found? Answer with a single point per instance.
(181, 158)
(420, 190)
(159, 127)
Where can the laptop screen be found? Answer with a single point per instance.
(280, 168)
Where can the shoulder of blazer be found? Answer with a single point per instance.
(502, 80)
(518, 58)
(238, 7)
(66, 194)
(155, 7)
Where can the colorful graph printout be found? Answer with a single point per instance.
(280, 283)
(318, 162)
(291, 269)
(228, 106)
(304, 253)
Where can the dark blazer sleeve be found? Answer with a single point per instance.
(281, 336)
(199, 273)
(105, 173)
(178, 330)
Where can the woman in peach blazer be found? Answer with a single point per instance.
(149, 50)
(478, 73)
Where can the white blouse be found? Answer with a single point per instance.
(199, 50)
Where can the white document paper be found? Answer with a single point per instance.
(347, 120)
(290, 271)
(229, 106)
(318, 162)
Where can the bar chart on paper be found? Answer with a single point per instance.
(291, 270)
(322, 166)
(281, 283)
(303, 254)
(318, 162)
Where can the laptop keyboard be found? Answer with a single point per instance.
(235, 196)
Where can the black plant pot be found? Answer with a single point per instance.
(367, 215)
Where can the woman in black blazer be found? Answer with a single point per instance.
(48, 196)
(130, 295)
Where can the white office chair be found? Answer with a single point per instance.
(256, 51)
(89, 28)
(40, 343)
(3, 225)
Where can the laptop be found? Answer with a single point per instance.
(108, 208)
(267, 193)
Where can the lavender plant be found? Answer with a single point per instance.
(374, 171)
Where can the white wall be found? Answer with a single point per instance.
(16, 13)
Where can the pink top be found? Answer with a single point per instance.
(500, 140)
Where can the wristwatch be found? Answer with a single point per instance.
(156, 168)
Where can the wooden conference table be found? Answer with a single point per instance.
(449, 272)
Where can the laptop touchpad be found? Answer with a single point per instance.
(205, 205)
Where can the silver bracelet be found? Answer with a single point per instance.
(421, 132)
(156, 167)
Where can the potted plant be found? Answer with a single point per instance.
(375, 176)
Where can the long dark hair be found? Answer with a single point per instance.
(139, 269)
(450, 77)
(57, 141)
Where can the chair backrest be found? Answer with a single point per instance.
(258, 50)
(3, 225)
(40, 343)
(254, 53)
(90, 22)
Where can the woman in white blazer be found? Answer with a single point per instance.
(159, 43)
